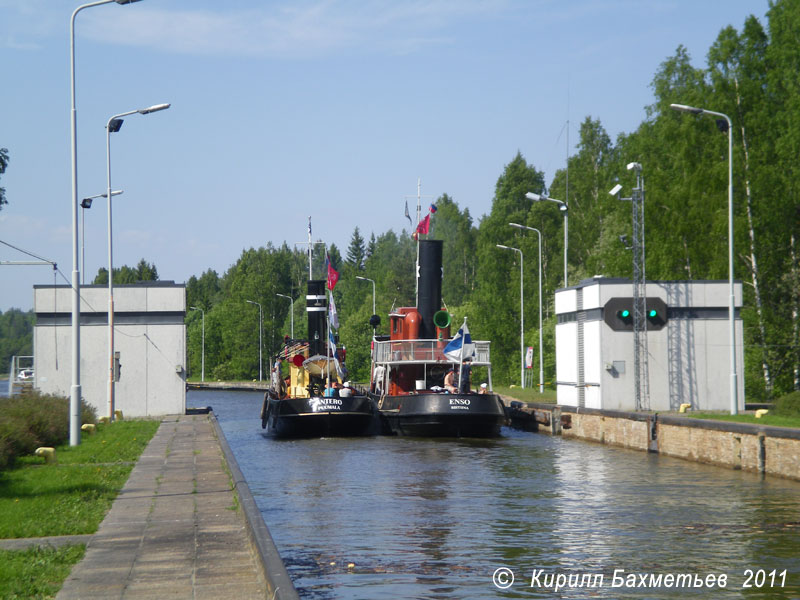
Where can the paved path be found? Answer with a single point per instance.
(172, 532)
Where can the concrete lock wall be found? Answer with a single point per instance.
(688, 359)
(149, 334)
(761, 449)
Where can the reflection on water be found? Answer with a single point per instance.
(423, 518)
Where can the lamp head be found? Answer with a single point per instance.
(125, 1)
(635, 166)
(114, 125)
(86, 203)
(685, 108)
(615, 190)
(534, 197)
(152, 109)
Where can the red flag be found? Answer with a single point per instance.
(423, 226)
(333, 274)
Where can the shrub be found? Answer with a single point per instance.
(32, 419)
(788, 405)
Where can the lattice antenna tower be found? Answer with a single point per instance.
(640, 348)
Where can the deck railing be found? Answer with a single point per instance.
(422, 351)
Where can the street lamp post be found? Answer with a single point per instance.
(113, 126)
(260, 332)
(541, 360)
(734, 400)
(521, 318)
(203, 353)
(292, 312)
(75, 387)
(373, 290)
(86, 203)
(562, 206)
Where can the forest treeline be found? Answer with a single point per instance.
(750, 74)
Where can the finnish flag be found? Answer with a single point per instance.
(461, 346)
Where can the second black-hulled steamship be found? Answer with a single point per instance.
(409, 367)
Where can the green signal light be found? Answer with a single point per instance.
(625, 314)
(652, 313)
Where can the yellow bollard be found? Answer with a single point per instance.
(49, 454)
(118, 415)
(88, 428)
(684, 408)
(103, 420)
(761, 412)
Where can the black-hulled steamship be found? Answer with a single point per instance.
(409, 368)
(312, 402)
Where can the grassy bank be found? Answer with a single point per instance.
(530, 394)
(770, 420)
(69, 497)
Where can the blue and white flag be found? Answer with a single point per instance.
(333, 314)
(461, 346)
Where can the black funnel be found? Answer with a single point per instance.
(430, 286)
(317, 312)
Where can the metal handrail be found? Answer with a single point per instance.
(422, 352)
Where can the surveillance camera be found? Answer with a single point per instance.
(615, 190)
(634, 165)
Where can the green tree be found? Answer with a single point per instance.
(496, 298)
(16, 335)
(143, 271)
(356, 253)
(460, 240)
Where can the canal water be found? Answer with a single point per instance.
(383, 517)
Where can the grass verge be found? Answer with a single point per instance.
(769, 420)
(67, 498)
(38, 572)
(527, 394)
(72, 496)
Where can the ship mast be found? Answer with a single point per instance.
(416, 266)
(310, 247)
(419, 215)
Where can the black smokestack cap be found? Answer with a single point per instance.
(430, 285)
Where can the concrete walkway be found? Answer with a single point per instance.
(172, 532)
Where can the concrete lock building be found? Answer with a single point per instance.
(687, 342)
(149, 335)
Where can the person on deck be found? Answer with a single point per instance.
(449, 381)
(464, 377)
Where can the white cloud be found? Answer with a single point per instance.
(294, 30)
(25, 23)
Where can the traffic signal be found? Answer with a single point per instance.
(618, 314)
(656, 313)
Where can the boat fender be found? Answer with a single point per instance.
(265, 411)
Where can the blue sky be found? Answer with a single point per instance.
(327, 108)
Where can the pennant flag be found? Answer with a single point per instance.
(332, 312)
(333, 274)
(423, 226)
(309, 227)
(408, 216)
(461, 346)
